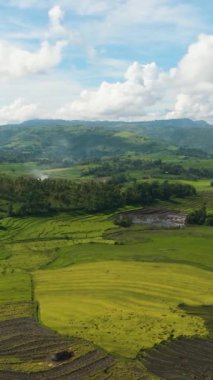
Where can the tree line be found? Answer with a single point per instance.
(157, 167)
(31, 196)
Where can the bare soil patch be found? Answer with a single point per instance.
(156, 217)
(181, 359)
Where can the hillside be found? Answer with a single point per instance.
(106, 250)
(61, 141)
(71, 143)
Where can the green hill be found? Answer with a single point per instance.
(61, 141)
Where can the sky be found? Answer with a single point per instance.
(106, 59)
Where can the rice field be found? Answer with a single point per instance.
(15, 287)
(116, 288)
(192, 246)
(123, 307)
(78, 228)
(31, 243)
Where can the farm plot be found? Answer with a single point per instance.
(15, 295)
(123, 307)
(192, 245)
(61, 227)
(15, 287)
(31, 243)
(26, 349)
(180, 359)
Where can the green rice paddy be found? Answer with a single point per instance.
(123, 307)
(119, 288)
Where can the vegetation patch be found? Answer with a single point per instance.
(205, 312)
(123, 306)
(128, 288)
(26, 351)
(15, 286)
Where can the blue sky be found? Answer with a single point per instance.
(106, 59)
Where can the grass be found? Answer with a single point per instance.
(123, 306)
(16, 170)
(205, 312)
(190, 246)
(201, 185)
(15, 287)
(72, 173)
(11, 310)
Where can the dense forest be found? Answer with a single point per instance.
(30, 196)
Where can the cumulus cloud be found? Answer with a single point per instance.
(197, 106)
(148, 92)
(18, 111)
(193, 81)
(196, 65)
(17, 62)
(121, 99)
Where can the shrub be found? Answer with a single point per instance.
(209, 220)
(123, 222)
(197, 216)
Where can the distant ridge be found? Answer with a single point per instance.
(76, 140)
(60, 122)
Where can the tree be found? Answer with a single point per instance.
(197, 216)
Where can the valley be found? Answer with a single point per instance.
(130, 300)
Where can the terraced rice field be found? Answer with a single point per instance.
(31, 346)
(31, 243)
(15, 287)
(189, 359)
(191, 246)
(117, 288)
(78, 229)
(183, 358)
(123, 307)
(26, 349)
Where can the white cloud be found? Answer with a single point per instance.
(197, 63)
(18, 111)
(147, 92)
(57, 29)
(17, 62)
(128, 99)
(149, 12)
(88, 7)
(56, 16)
(82, 7)
(196, 106)
(193, 81)
(124, 10)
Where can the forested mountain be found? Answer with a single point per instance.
(74, 141)
(69, 143)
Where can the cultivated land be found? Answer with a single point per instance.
(122, 297)
(131, 302)
(123, 306)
